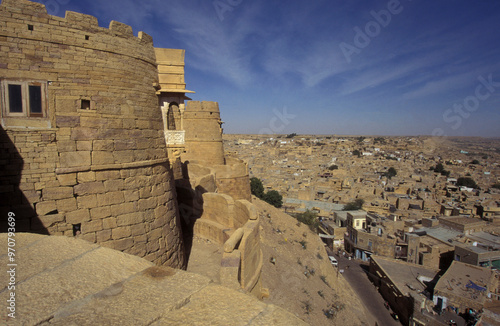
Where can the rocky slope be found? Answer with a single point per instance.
(299, 275)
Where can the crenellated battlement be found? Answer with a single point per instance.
(29, 20)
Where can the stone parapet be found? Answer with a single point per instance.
(67, 281)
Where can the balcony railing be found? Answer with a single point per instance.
(174, 137)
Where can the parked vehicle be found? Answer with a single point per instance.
(334, 261)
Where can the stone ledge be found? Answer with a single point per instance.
(114, 166)
(67, 281)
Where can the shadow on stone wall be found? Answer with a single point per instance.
(13, 201)
(190, 203)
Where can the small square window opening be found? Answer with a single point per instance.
(77, 229)
(85, 105)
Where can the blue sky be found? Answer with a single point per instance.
(345, 67)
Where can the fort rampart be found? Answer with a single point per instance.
(82, 144)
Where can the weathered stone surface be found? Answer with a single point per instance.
(121, 232)
(102, 157)
(66, 205)
(100, 212)
(68, 179)
(71, 159)
(88, 188)
(207, 305)
(91, 226)
(88, 176)
(45, 207)
(61, 270)
(57, 193)
(67, 121)
(78, 216)
(110, 198)
(88, 201)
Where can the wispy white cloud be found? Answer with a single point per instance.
(213, 45)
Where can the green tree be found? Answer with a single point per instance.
(333, 167)
(309, 218)
(439, 168)
(467, 182)
(496, 185)
(356, 152)
(354, 205)
(274, 198)
(256, 187)
(474, 162)
(391, 173)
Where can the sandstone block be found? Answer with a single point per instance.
(130, 218)
(71, 159)
(100, 212)
(67, 121)
(88, 237)
(68, 179)
(88, 188)
(88, 201)
(66, 146)
(107, 175)
(155, 234)
(123, 244)
(110, 198)
(114, 185)
(141, 239)
(145, 192)
(124, 208)
(161, 212)
(79, 133)
(125, 144)
(233, 240)
(153, 246)
(159, 222)
(120, 232)
(138, 229)
(103, 235)
(45, 207)
(102, 145)
(66, 205)
(91, 226)
(88, 176)
(84, 145)
(148, 203)
(57, 193)
(102, 157)
(109, 223)
(139, 249)
(131, 195)
(149, 215)
(78, 216)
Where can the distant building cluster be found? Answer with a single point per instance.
(430, 207)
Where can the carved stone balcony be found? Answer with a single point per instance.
(174, 137)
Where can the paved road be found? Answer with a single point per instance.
(357, 277)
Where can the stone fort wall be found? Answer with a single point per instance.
(233, 179)
(203, 133)
(95, 163)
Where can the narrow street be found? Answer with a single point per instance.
(355, 274)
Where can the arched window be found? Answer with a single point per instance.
(172, 115)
